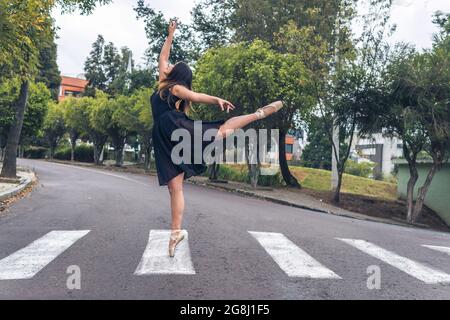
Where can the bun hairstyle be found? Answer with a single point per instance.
(181, 74)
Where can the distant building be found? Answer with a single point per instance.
(380, 150)
(71, 87)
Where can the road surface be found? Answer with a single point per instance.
(91, 234)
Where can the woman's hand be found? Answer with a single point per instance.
(225, 105)
(172, 27)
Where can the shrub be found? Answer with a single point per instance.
(363, 169)
(34, 152)
(271, 181)
(62, 153)
(83, 153)
(240, 174)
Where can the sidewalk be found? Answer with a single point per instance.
(294, 199)
(8, 190)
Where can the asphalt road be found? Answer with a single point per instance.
(99, 223)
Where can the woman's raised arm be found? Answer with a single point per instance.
(195, 97)
(165, 52)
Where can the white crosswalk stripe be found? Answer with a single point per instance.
(290, 258)
(440, 249)
(156, 260)
(411, 267)
(27, 262)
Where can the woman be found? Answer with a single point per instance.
(170, 104)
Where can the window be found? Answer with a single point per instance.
(290, 148)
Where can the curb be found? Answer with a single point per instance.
(298, 206)
(24, 182)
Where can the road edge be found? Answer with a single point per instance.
(24, 183)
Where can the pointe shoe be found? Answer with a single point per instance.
(175, 238)
(266, 111)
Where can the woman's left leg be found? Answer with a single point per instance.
(177, 204)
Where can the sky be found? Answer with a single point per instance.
(117, 23)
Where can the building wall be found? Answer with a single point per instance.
(438, 198)
(381, 150)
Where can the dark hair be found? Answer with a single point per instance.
(181, 74)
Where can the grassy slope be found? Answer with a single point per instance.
(321, 180)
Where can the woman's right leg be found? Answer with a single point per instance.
(236, 123)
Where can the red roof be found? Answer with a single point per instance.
(74, 82)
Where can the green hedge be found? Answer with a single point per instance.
(363, 169)
(34, 152)
(83, 153)
(235, 174)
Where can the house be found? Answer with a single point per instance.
(380, 150)
(71, 87)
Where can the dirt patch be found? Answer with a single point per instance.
(380, 208)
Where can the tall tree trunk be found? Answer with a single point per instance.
(424, 190)
(414, 176)
(290, 180)
(73, 144)
(337, 192)
(9, 169)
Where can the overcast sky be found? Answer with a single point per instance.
(117, 23)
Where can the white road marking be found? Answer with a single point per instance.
(413, 268)
(440, 249)
(290, 258)
(27, 262)
(156, 260)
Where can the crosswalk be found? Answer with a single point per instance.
(286, 256)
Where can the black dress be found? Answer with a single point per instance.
(166, 120)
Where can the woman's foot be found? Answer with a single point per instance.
(175, 238)
(269, 110)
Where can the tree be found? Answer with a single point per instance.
(121, 126)
(137, 119)
(36, 109)
(420, 109)
(93, 67)
(25, 28)
(316, 153)
(48, 68)
(54, 128)
(75, 120)
(251, 76)
(97, 124)
(185, 47)
(211, 20)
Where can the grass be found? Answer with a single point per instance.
(320, 180)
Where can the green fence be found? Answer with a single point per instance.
(438, 197)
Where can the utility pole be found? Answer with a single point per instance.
(335, 144)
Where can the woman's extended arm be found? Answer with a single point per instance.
(165, 52)
(195, 97)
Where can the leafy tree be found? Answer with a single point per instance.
(36, 109)
(98, 122)
(54, 128)
(185, 47)
(254, 75)
(48, 68)
(75, 120)
(317, 153)
(142, 122)
(211, 20)
(25, 28)
(420, 111)
(93, 67)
